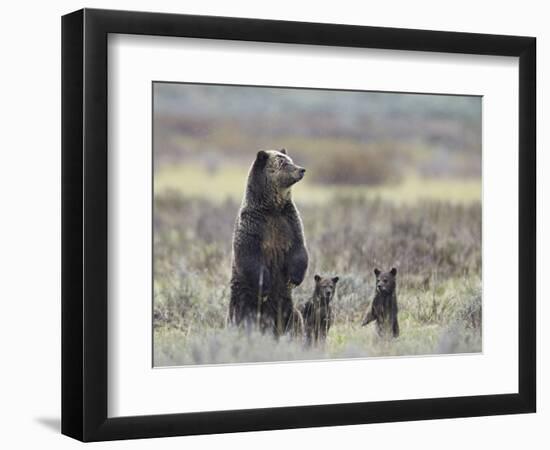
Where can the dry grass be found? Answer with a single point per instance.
(435, 245)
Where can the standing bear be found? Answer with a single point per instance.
(269, 252)
(317, 312)
(383, 309)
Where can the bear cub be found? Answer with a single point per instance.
(317, 312)
(383, 309)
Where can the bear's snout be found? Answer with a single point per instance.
(301, 172)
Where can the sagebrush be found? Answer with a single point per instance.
(436, 246)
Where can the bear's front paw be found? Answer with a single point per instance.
(295, 280)
(297, 267)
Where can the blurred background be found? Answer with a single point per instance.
(403, 145)
(392, 180)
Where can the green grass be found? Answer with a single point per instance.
(194, 180)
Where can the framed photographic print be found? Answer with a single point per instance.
(272, 224)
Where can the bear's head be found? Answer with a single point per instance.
(277, 169)
(385, 281)
(325, 288)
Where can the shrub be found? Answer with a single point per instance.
(358, 167)
(435, 245)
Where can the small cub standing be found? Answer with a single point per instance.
(317, 312)
(383, 309)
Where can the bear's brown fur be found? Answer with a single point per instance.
(317, 312)
(383, 309)
(269, 252)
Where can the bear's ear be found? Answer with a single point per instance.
(261, 159)
(393, 271)
(335, 280)
(283, 151)
(376, 271)
(317, 278)
(262, 156)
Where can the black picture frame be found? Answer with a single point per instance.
(84, 224)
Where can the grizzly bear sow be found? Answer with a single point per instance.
(383, 309)
(269, 252)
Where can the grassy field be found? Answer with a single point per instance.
(430, 229)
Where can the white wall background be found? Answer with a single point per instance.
(30, 222)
